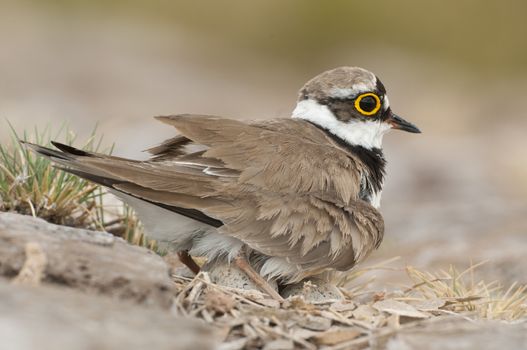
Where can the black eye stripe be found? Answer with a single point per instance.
(366, 104)
(380, 87)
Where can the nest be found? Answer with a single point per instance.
(247, 319)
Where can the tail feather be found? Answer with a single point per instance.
(72, 150)
(69, 159)
(82, 153)
(46, 152)
(100, 180)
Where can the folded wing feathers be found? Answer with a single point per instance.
(169, 149)
(257, 181)
(271, 160)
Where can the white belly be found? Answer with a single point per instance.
(178, 232)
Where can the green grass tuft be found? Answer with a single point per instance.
(31, 185)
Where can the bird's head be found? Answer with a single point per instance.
(352, 104)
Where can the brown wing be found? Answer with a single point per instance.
(300, 160)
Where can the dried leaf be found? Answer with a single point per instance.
(303, 333)
(343, 306)
(429, 304)
(272, 303)
(315, 323)
(364, 312)
(298, 303)
(217, 301)
(399, 308)
(336, 336)
(279, 344)
(234, 345)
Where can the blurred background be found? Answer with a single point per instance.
(457, 69)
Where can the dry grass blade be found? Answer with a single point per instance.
(486, 300)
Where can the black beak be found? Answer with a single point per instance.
(401, 124)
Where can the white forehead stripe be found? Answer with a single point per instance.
(349, 92)
(367, 134)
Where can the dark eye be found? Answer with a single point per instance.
(368, 104)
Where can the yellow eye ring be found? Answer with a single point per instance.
(374, 110)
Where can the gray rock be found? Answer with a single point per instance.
(456, 333)
(50, 318)
(95, 262)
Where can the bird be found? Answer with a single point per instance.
(283, 198)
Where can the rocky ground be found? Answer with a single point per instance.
(77, 289)
(64, 288)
